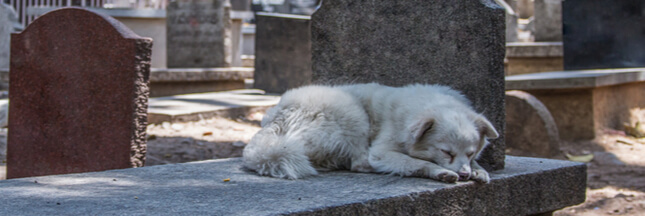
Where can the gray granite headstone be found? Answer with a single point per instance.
(8, 18)
(282, 52)
(198, 34)
(455, 43)
(548, 20)
(603, 34)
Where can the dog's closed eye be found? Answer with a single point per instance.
(449, 154)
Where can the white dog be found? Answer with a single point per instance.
(416, 130)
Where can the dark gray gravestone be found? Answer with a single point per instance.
(79, 95)
(603, 34)
(455, 43)
(282, 52)
(198, 34)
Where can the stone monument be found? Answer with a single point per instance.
(603, 34)
(402, 42)
(282, 52)
(198, 34)
(79, 95)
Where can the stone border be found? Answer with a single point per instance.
(222, 187)
(574, 79)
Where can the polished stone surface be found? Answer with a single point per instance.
(77, 106)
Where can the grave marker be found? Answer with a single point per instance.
(79, 94)
(282, 52)
(603, 34)
(8, 18)
(198, 34)
(455, 43)
(548, 20)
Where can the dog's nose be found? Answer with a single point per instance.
(463, 176)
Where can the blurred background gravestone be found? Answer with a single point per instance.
(530, 128)
(403, 42)
(199, 34)
(282, 52)
(78, 104)
(548, 20)
(603, 34)
(8, 23)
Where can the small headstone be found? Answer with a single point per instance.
(241, 5)
(79, 95)
(530, 128)
(8, 18)
(548, 20)
(282, 52)
(198, 34)
(455, 43)
(603, 34)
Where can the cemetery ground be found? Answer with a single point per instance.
(616, 173)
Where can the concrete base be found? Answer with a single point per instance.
(193, 107)
(526, 186)
(584, 102)
(533, 57)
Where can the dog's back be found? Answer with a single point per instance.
(312, 127)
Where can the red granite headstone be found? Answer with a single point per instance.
(79, 95)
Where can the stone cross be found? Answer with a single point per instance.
(79, 95)
(198, 34)
(456, 43)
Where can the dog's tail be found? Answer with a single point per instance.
(276, 154)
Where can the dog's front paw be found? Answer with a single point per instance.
(480, 175)
(447, 176)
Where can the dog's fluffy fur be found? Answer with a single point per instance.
(416, 130)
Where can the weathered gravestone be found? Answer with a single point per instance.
(282, 52)
(530, 128)
(8, 19)
(603, 34)
(79, 94)
(548, 20)
(198, 34)
(402, 42)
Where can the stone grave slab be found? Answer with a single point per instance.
(79, 95)
(455, 43)
(527, 186)
(586, 101)
(282, 52)
(198, 34)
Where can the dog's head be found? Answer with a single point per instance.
(451, 138)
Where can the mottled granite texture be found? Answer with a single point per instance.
(455, 43)
(79, 95)
(527, 186)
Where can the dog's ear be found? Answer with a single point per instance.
(485, 127)
(415, 131)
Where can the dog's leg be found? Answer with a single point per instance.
(360, 162)
(391, 161)
(479, 174)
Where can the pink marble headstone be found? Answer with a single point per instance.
(79, 95)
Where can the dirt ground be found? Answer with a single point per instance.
(616, 175)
